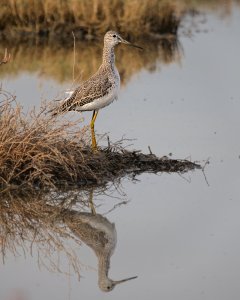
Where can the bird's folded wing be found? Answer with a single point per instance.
(90, 90)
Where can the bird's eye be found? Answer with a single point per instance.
(114, 35)
(108, 287)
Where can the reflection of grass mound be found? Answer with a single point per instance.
(56, 62)
(30, 225)
(37, 150)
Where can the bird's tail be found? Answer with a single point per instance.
(58, 109)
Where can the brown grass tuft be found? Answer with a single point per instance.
(37, 149)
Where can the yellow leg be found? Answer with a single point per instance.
(94, 143)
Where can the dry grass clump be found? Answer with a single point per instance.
(38, 150)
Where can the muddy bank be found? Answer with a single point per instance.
(86, 168)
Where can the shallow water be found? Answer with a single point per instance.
(179, 234)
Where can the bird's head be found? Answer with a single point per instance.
(108, 285)
(112, 38)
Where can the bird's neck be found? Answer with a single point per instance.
(103, 267)
(108, 55)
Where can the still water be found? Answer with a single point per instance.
(178, 234)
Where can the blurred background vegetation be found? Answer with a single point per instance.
(38, 33)
(93, 17)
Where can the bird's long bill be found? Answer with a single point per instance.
(130, 44)
(124, 280)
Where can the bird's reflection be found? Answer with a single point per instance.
(42, 220)
(100, 235)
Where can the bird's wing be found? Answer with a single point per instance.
(95, 87)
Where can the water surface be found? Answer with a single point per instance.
(179, 234)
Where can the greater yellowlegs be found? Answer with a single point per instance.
(99, 90)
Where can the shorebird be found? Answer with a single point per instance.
(99, 90)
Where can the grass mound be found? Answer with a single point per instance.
(38, 150)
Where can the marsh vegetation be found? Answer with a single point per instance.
(56, 19)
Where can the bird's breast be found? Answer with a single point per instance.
(109, 95)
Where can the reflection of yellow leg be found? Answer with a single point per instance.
(91, 202)
(94, 143)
